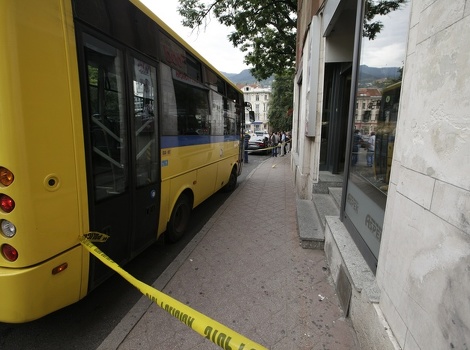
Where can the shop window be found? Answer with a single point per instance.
(373, 144)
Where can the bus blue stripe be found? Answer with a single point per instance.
(190, 140)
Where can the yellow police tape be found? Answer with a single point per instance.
(261, 149)
(216, 332)
(279, 145)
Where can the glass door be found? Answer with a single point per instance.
(122, 147)
(145, 154)
(337, 88)
(107, 139)
(377, 96)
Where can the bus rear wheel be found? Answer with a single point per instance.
(232, 181)
(179, 219)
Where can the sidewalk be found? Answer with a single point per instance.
(247, 270)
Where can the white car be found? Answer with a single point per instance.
(262, 134)
(258, 141)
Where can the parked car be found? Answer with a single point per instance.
(258, 143)
(262, 134)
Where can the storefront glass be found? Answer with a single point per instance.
(377, 94)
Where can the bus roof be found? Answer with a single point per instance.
(173, 34)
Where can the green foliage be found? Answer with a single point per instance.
(93, 75)
(374, 8)
(264, 29)
(281, 102)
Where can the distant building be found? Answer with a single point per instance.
(258, 96)
(367, 109)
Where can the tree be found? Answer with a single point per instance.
(374, 8)
(281, 102)
(264, 29)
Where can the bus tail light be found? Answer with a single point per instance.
(7, 204)
(7, 228)
(6, 176)
(9, 253)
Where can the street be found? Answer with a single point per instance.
(86, 324)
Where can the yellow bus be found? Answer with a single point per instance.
(385, 133)
(110, 122)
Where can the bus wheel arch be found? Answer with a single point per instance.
(179, 218)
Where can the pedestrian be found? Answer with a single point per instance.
(371, 149)
(266, 142)
(283, 143)
(357, 141)
(245, 146)
(271, 139)
(288, 141)
(274, 142)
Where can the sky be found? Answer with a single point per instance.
(389, 47)
(212, 42)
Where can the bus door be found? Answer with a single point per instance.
(121, 135)
(145, 153)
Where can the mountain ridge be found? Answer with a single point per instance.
(245, 77)
(366, 73)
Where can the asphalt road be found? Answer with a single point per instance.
(87, 323)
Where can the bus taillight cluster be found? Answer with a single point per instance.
(6, 176)
(7, 205)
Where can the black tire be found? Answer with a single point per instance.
(232, 181)
(179, 219)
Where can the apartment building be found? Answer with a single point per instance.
(258, 96)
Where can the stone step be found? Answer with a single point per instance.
(336, 193)
(327, 180)
(310, 229)
(325, 205)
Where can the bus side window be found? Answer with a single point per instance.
(193, 109)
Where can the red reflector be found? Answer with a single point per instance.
(59, 268)
(9, 252)
(6, 203)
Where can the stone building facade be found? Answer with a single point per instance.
(398, 244)
(367, 110)
(258, 96)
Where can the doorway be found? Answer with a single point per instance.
(337, 87)
(122, 148)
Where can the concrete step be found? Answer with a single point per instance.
(311, 216)
(311, 231)
(325, 205)
(336, 193)
(327, 180)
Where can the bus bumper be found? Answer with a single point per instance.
(30, 293)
